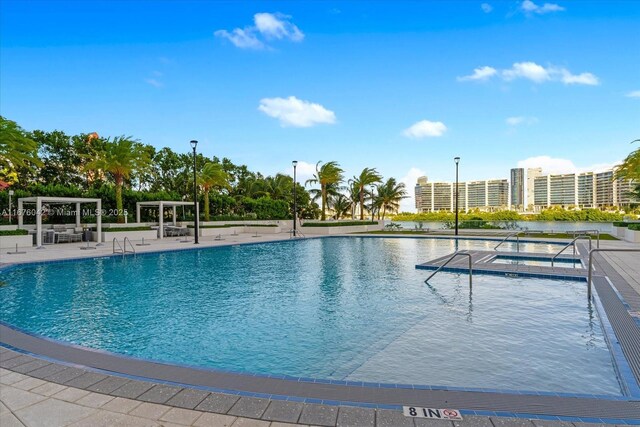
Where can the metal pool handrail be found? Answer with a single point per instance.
(517, 234)
(587, 232)
(573, 242)
(591, 261)
(122, 250)
(455, 254)
(133, 250)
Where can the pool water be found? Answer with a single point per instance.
(351, 308)
(558, 262)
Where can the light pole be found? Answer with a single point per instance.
(10, 194)
(295, 201)
(371, 202)
(196, 230)
(457, 160)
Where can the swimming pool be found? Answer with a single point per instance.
(349, 308)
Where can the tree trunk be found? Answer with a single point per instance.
(323, 191)
(206, 205)
(361, 203)
(119, 208)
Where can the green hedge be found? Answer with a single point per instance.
(13, 232)
(635, 226)
(118, 229)
(261, 225)
(216, 226)
(620, 224)
(338, 224)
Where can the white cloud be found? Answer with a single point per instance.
(154, 82)
(425, 129)
(242, 38)
(534, 72)
(486, 7)
(295, 112)
(409, 180)
(481, 73)
(277, 26)
(551, 165)
(304, 171)
(269, 26)
(633, 94)
(530, 7)
(527, 70)
(581, 79)
(521, 120)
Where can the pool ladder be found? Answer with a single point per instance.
(455, 254)
(123, 250)
(517, 234)
(572, 243)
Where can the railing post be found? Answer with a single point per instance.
(589, 276)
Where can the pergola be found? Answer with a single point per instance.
(161, 204)
(39, 200)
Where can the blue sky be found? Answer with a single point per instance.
(400, 86)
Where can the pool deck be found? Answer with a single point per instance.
(44, 382)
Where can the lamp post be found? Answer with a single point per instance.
(10, 194)
(457, 160)
(295, 201)
(196, 230)
(371, 202)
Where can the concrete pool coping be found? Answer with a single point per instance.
(94, 364)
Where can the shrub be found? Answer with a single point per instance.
(338, 224)
(620, 224)
(635, 226)
(118, 229)
(13, 232)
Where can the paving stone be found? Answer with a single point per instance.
(30, 366)
(218, 402)
(250, 407)
(9, 420)
(180, 416)
(159, 393)
(132, 389)
(388, 418)
(217, 420)
(545, 423)
(281, 410)
(29, 383)
(12, 378)
(248, 422)
(52, 412)
(279, 424)
(85, 380)
(8, 355)
(3, 409)
(188, 398)
(65, 375)
(473, 421)
(427, 422)
(511, 422)
(149, 410)
(48, 389)
(70, 394)
(591, 425)
(15, 399)
(94, 400)
(108, 385)
(320, 415)
(351, 416)
(47, 371)
(112, 419)
(16, 361)
(121, 405)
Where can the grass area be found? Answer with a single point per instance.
(568, 236)
(338, 223)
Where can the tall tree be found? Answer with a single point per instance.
(212, 176)
(326, 175)
(389, 196)
(120, 158)
(16, 150)
(367, 177)
(341, 206)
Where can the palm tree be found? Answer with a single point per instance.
(630, 167)
(389, 195)
(16, 149)
(354, 196)
(120, 158)
(341, 206)
(328, 175)
(212, 176)
(367, 177)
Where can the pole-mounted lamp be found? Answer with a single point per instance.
(196, 230)
(457, 160)
(295, 200)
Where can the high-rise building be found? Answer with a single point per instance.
(441, 196)
(532, 173)
(517, 189)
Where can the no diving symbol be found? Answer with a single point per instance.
(450, 413)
